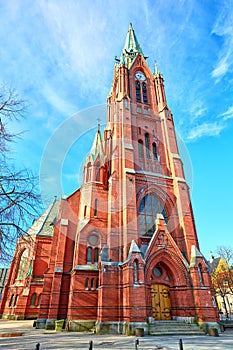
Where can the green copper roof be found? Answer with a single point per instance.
(131, 48)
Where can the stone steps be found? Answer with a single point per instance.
(174, 328)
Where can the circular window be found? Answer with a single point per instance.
(158, 271)
(93, 239)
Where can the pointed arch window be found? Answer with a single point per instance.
(140, 149)
(96, 207)
(199, 269)
(96, 255)
(39, 299)
(150, 206)
(22, 265)
(89, 255)
(154, 149)
(138, 92)
(144, 93)
(88, 174)
(147, 146)
(97, 172)
(135, 271)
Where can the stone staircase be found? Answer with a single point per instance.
(174, 328)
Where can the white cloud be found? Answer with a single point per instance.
(58, 103)
(228, 114)
(206, 129)
(224, 28)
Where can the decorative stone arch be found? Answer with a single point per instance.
(175, 266)
(173, 275)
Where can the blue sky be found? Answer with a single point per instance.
(59, 56)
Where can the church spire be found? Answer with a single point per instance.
(97, 147)
(131, 48)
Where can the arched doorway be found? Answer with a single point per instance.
(160, 292)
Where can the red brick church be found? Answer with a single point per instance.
(122, 251)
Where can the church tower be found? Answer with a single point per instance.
(124, 251)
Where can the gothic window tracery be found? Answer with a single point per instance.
(150, 206)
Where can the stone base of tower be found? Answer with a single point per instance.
(127, 328)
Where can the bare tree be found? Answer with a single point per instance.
(19, 196)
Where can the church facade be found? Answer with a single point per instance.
(122, 251)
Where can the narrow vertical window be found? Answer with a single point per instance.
(16, 300)
(135, 271)
(88, 174)
(199, 269)
(87, 283)
(144, 93)
(92, 284)
(33, 300)
(85, 211)
(154, 148)
(39, 299)
(97, 283)
(138, 92)
(96, 255)
(140, 149)
(11, 301)
(89, 255)
(97, 172)
(96, 207)
(147, 146)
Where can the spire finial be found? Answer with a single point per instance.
(156, 68)
(98, 120)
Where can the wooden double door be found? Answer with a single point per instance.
(161, 304)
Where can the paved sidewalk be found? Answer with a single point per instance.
(24, 336)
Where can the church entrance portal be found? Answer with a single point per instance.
(161, 304)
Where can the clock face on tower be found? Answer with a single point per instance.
(140, 76)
